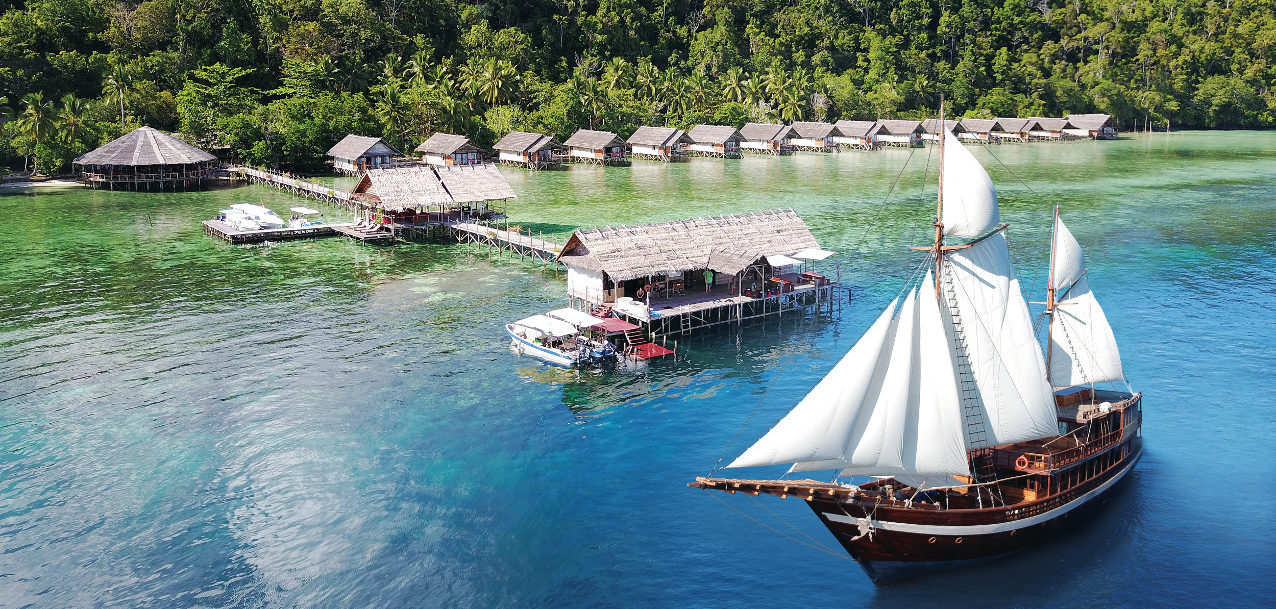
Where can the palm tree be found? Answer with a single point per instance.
(391, 66)
(34, 124)
(752, 91)
(117, 87)
(647, 81)
(678, 95)
(733, 84)
(789, 104)
(592, 98)
(774, 81)
(494, 80)
(72, 116)
(389, 106)
(617, 74)
(697, 90)
(418, 68)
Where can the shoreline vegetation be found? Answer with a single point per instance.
(275, 84)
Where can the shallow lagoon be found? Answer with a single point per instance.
(324, 423)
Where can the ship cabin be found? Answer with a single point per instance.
(812, 136)
(1093, 126)
(1014, 129)
(146, 159)
(448, 149)
(931, 129)
(673, 277)
(714, 140)
(900, 133)
(765, 138)
(597, 147)
(415, 195)
(530, 150)
(1050, 128)
(978, 130)
(854, 134)
(658, 143)
(356, 153)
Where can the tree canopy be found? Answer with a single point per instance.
(276, 82)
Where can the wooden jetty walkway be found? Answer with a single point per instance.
(236, 236)
(525, 245)
(291, 184)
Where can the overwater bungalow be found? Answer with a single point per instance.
(931, 129)
(814, 136)
(658, 143)
(448, 149)
(1050, 128)
(414, 194)
(677, 276)
(530, 150)
(599, 147)
(901, 133)
(854, 134)
(355, 153)
(1014, 129)
(145, 159)
(714, 140)
(1093, 126)
(978, 130)
(765, 138)
(476, 189)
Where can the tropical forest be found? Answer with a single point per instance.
(277, 82)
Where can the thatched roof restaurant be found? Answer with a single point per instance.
(146, 158)
(475, 183)
(609, 263)
(978, 129)
(1095, 126)
(714, 140)
(415, 188)
(601, 147)
(892, 132)
(658, 143)
(931, 129)
(354, 153)
(531, 150)
(448, 149)
(855, 134)
(765, 138)
(814, 136)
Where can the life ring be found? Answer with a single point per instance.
(1021, 463)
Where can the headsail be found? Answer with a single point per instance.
(970, 201)
(890, 407)
(1082, 347)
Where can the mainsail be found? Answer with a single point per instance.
(1082, 348)
(893, 405)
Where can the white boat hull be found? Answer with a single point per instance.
(552, 356)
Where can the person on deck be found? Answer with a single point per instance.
(708, 280)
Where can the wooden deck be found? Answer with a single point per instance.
(291, 184)
(681, 314)
(229, 233)
(526, 245)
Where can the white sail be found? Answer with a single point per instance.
(940, 439)
(1005, 358)
(819, 426)
(970, 201)
(1082, 347)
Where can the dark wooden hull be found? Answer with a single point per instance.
(907, 542)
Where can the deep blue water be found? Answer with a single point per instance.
(326, 424)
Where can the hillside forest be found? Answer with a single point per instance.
(277, 82)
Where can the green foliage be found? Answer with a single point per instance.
(270, 77)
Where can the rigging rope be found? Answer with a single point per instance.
(782, 533)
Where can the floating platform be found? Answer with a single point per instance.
(229, 233)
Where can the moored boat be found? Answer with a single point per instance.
(557, 341)
(950, 436)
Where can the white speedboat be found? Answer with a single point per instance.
(264, 218)
(600, 349)
(239, 220)
(301, 217)
(548, 339)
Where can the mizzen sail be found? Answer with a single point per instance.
(1082, 348)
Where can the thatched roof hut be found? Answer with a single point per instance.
(856, 134)
(931, 128)
(765, 137)
(714, 140)
(1014, 129)
(399, 189)
(659, 143)
(1097, 126)
(895, 132)
(531, 150)
(978, 129)
(146, 158)
(354, 153)
(631, 252)
(814, 135)
(449, 149)
(1050, 128)
(592, 146)
(475, 183)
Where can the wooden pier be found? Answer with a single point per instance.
(291, 184)
(229, 233)
(515, 241)
(682, 314)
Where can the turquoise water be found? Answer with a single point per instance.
(323, 423)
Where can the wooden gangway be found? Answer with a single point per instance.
(525, 244)
(291, 184)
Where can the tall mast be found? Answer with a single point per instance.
(939, 205)
(1050, 288)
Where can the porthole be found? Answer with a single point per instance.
(931, 540)
(958, 540)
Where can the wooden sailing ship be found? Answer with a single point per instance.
(972, 446)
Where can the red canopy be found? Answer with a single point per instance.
(611, 325)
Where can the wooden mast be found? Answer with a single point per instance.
(939, 205)
(1050, 291)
